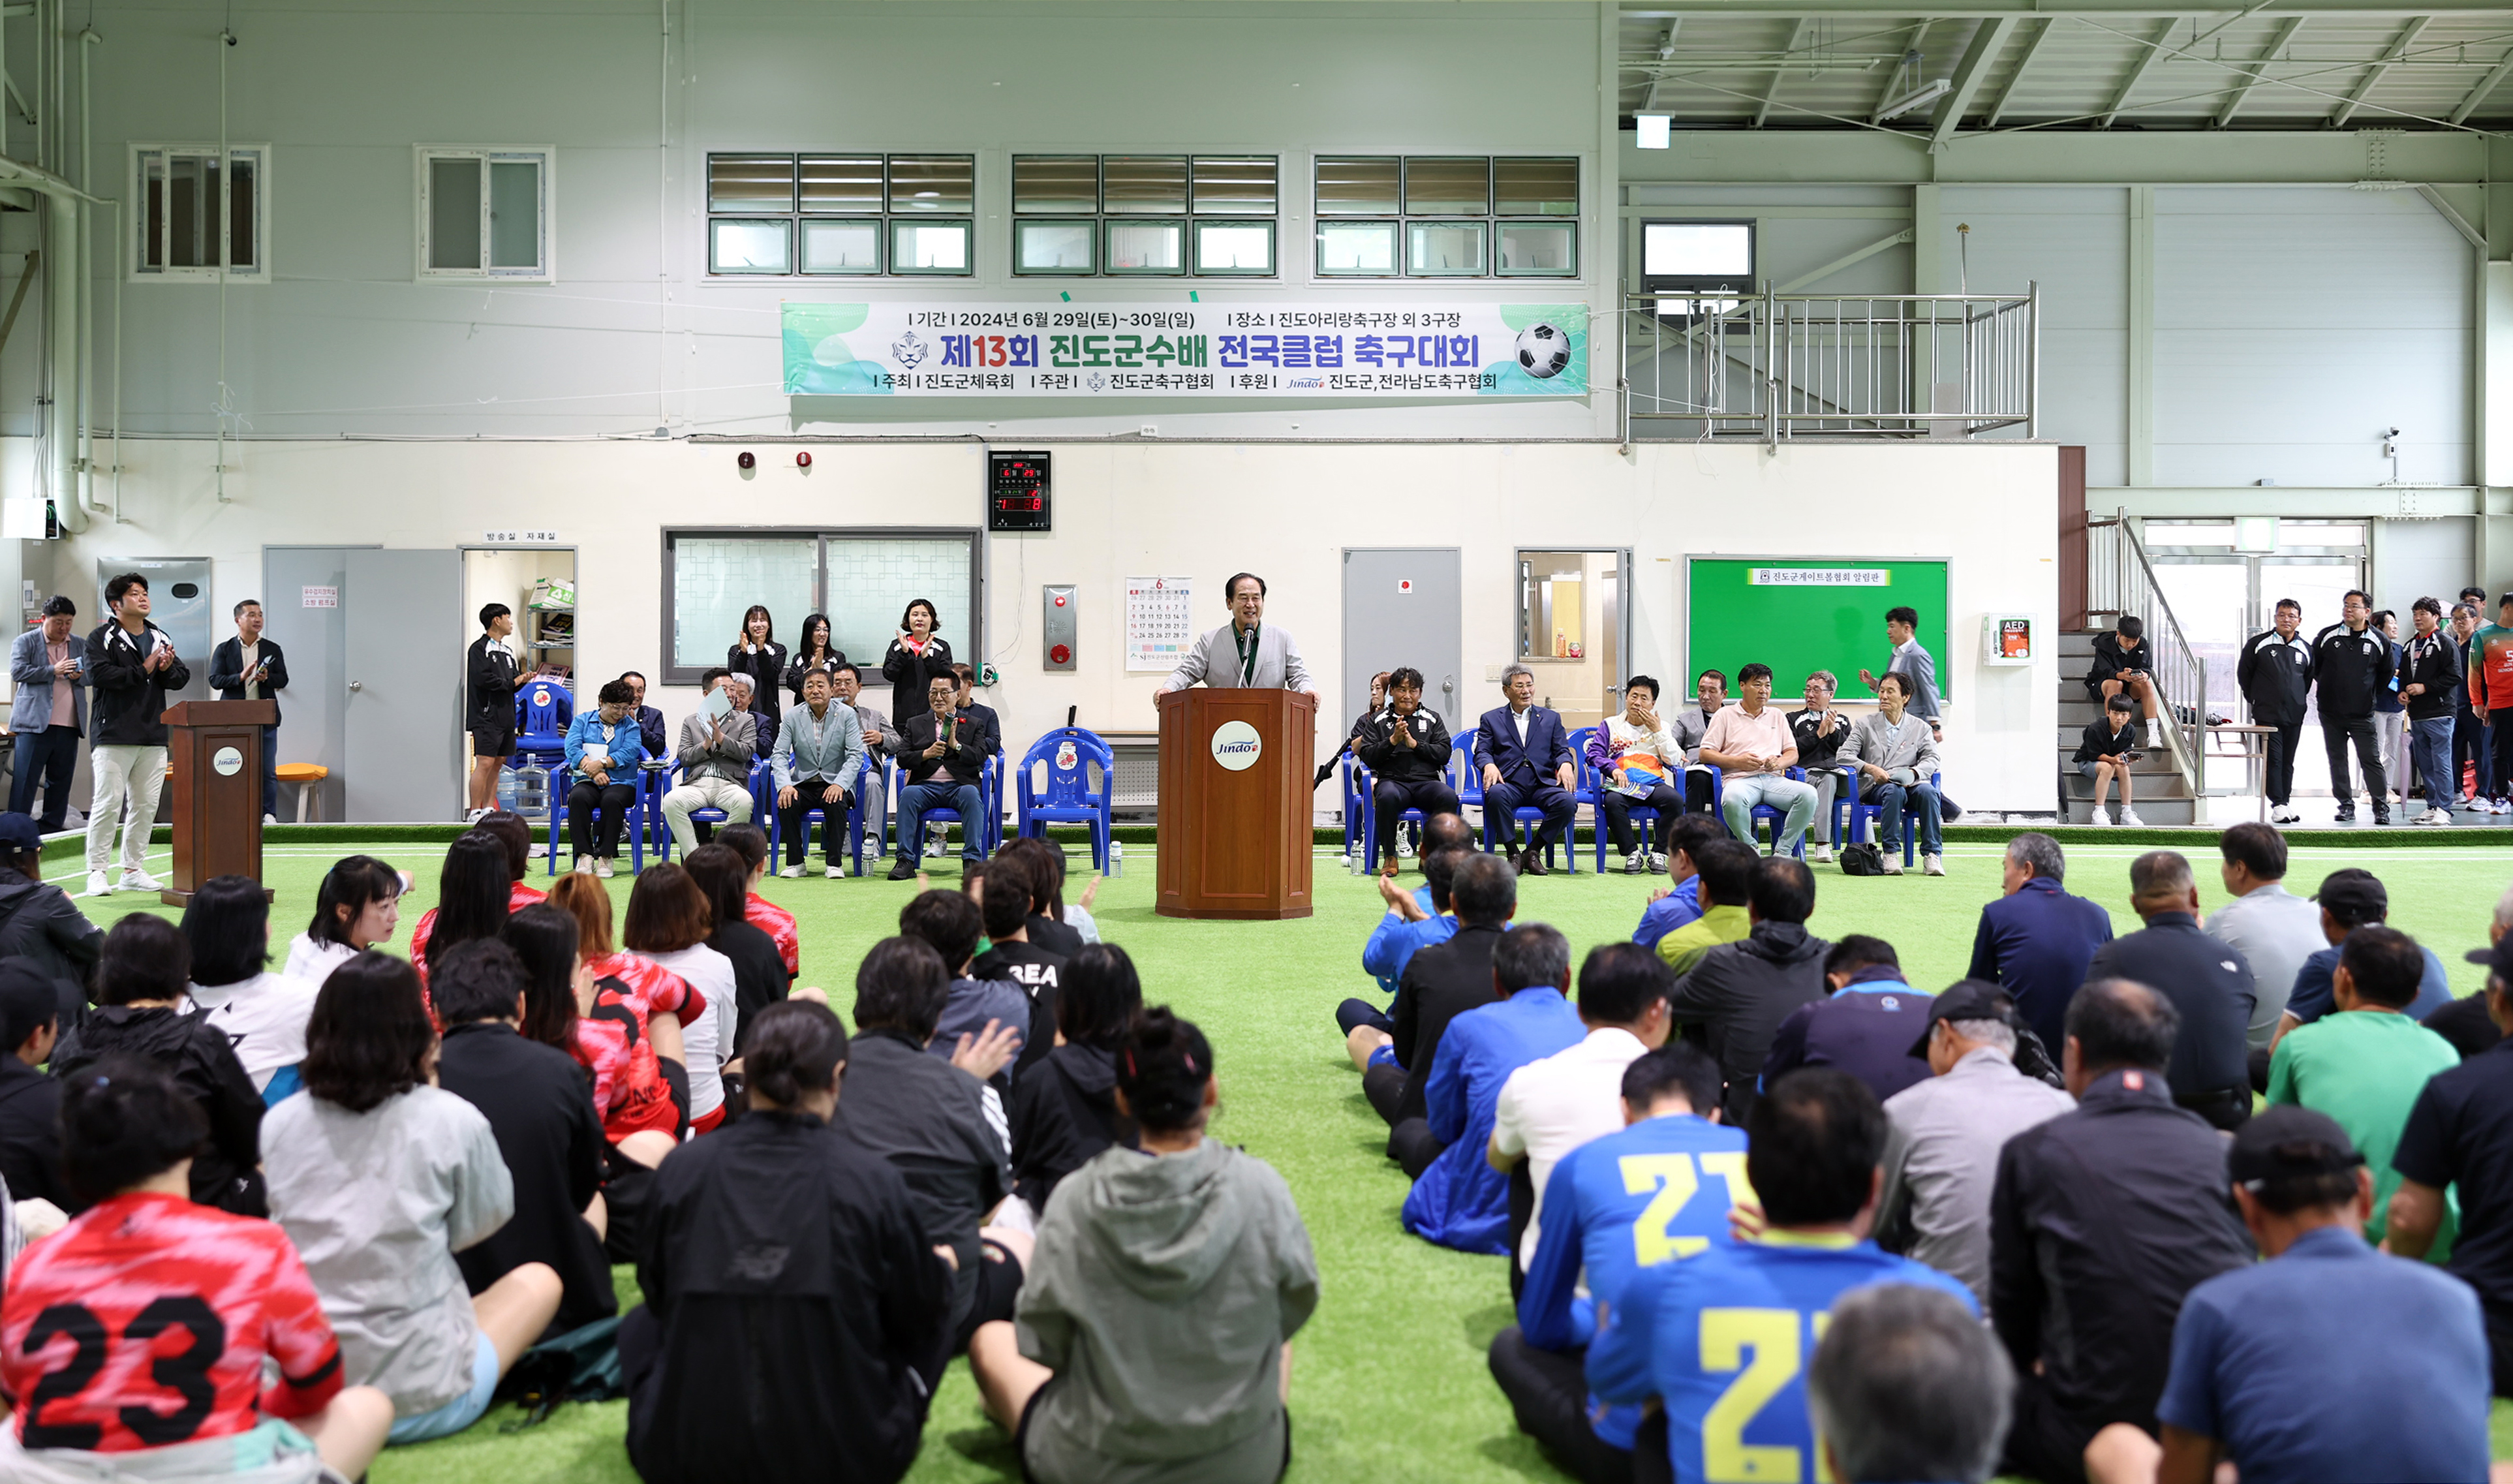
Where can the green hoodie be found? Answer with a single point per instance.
(1160, 1293)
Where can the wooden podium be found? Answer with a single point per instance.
(214, 763)
(1235, 803)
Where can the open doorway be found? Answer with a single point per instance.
(539, 583)
(1572, 631)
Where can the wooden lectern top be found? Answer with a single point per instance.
(222, 713)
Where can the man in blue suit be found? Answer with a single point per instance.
(1524, 755)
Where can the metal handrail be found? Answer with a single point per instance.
(2119, 580)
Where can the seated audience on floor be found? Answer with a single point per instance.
(759, 977)
(2364, 1063)
(1727, 888)
(261, 1378)
(1064, 1112)
(1691, 724)
(714, 754)
(1010, 953)
(30, 1102)
(937, 1123)
(515, 833)
(1050, 924)
(2251, 1341)
(379, 1178)
(227, 924)
(2207, 983)
(357, 907)
(604, 751)
(667, 924)
(2352, 898)
(1735, 996)
(1405, 930)
(2036, 940)
(473, 897)
(1459, 1199)
(664, 1003)
(1671, 1143)
(1946, 1131)
(1440, 982)
(975, 1012)
(1679, 903)
(1893, 755)
(1871, 1024)
(1167, 1343)
(761, 914)
(2456, 1155)
(1820, 729)
(1751, 745)
(1811, 1155)
(540, 1110)
(142, 1010)
(1638, 761)
(828, 1355)
(2101, 1219)
(42, 925)
(2464, 1022)
(1555, 1104)
(1907, 1384)
(1406, 747)
(2273, 930)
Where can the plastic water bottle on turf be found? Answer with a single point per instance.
(1116, 857)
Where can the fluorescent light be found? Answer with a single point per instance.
(1654, 130)
(1926, 93)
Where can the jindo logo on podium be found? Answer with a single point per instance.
(228, 761)
(1236, 746)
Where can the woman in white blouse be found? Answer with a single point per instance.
(358, 907)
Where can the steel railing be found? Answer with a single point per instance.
(2119, 580)
(1846, 366)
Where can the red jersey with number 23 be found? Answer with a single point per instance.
(143, 1323)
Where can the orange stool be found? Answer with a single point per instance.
(304, 776)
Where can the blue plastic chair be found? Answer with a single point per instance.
(1354, 804)
(761, 798)
(543, 710)
(1471, 792)
(1778, 816)
(1862, 814)
(1065, 757)
(1592, 788)
(991, 794)
(1359, 797)
(644, 810)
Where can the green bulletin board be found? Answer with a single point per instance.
(1803, 614)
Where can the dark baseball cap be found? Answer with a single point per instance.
(18, 834)
(27, 1002)
(2288, 1139)
(1970, 999)
(2354, 897)
(2498, 959)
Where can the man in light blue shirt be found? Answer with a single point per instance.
(1406, 929)
(1680, 900)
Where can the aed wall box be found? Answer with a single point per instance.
(2007, 638)
(1018, 498)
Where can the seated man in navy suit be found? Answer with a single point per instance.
(1524, 755)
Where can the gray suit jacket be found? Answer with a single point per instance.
(1214, 660)
(30, 709)
(835, 755)
(1869, 742)
(729, 759)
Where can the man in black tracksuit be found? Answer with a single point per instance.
(1407, 746)
(2275, 674)
(2351, 664)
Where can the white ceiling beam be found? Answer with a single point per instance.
(2024, 59)
(2364, 88)
(1989, 39)
(1772, 90)
(2486, 88)
(2277, 40)
(1665, 46)
(1893, 73)
(2109, 9)
(2146, 61)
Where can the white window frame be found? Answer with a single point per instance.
(541, 155)
(265, 177)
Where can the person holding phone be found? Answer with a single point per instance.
(48, 664)
(2105, 753)
(250, 668)
(914, 658)
(2124, 665)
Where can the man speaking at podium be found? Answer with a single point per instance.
(1243, 652)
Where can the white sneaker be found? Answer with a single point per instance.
(1932, 865)
(1893, 863)
(792, 873)
(98, 884)
(1657, 863)
(1823, 854)
(270, 818)
(476, 815)
(140, 881)
(2435, 817)
(1635, 862)
(1405, 848)
(2098, 819)
(835, 872)
(603, 867)
(584, 865)
(2129, 818)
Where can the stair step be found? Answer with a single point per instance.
(2151, 811)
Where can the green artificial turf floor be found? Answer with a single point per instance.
(1388, 1380)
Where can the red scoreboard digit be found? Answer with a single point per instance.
(1017, 496)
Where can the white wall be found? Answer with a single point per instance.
(1128, 510)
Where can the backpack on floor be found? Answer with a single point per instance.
(1862, 860)
(580, 1365)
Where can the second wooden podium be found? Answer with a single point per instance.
(213, 765)
(1235, 830)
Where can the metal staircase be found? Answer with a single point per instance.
(2119, 580)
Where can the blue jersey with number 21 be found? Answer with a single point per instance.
(1724, 1341)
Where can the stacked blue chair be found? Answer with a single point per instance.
(1064, 758)
(991, 793)
(1778, 816)
(1863, 815)
(543, 710)
(1363, 786)
(1592, 788)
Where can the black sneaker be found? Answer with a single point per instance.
(2382, 817)
(2347, 815)
(903, 870)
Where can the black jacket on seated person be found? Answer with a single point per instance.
(2207, 982)
(1421, 763)
(795, 1313)
(1064, 1112)
(1740, 993)
(30, 1136)
(1440, 983)
(964, 758)
(539, 1106)
(228, 1172)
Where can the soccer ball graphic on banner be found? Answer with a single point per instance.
(1542, 350)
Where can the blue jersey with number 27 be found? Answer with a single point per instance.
(1724, 1341)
